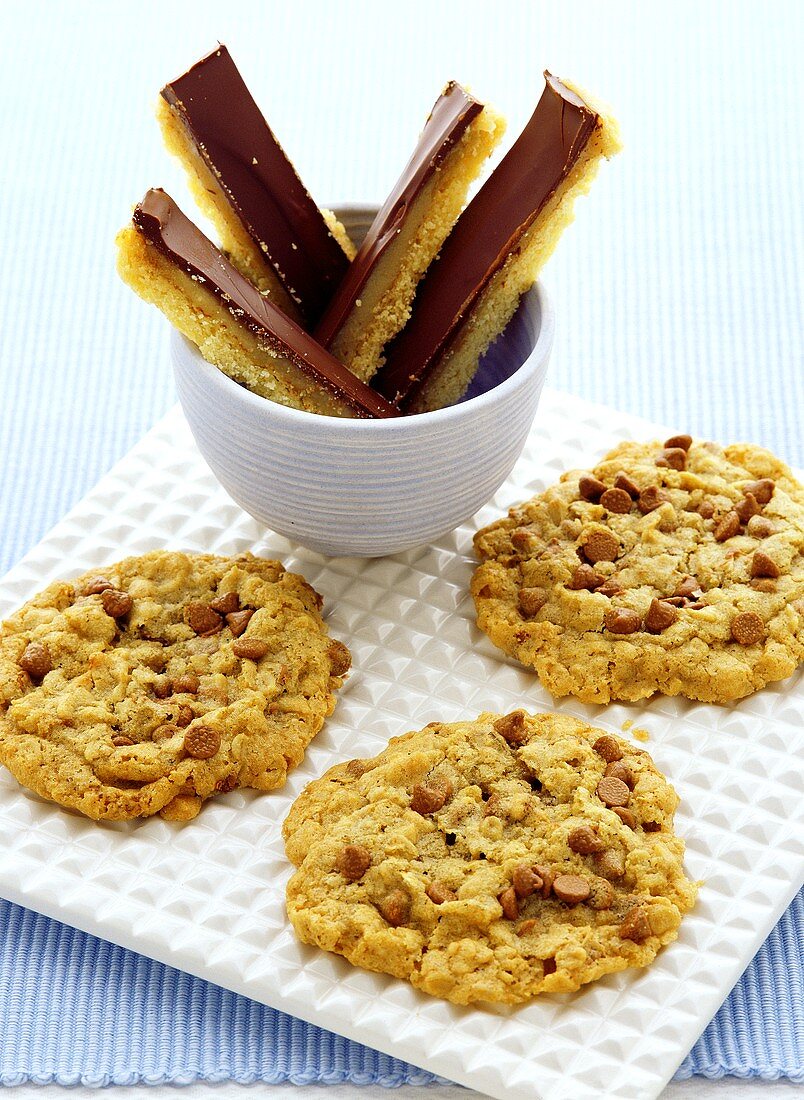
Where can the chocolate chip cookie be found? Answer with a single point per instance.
(490, 860)
(673, 567)
(150, 685)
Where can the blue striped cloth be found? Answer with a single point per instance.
(676, 299)
(75, 1010)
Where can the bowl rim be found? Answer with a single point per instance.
(297, 418)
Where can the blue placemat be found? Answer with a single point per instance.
(76, 1010)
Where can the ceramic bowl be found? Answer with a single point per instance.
(370, 487)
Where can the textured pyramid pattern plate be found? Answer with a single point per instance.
(208, 897)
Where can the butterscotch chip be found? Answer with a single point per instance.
(610, 864)
(763, 584)
(523, 539)
(624, 482)
(188, 682)
(512, 727)
(706, 509)
(621, 620)
(762, 489)
(608, 747)
(571, 889)
(353, 861)
(203, 620)
(36, 660)
(585, 841)
(115, 603)
(202, 742)
(340, 657)
(251, 649)
(509, 903)
(612, 791)
(165, 731)
(626, 816)
(610, 588)
(760, 527)
(162, 687)
(395, 907)
(546, 875)
(651, 498)
(184, 715)
(689, 588)
(674, 457)
(120, 740)
(652, 826)
(237, 621)
(679, 441)
(747, 507)
(438, 893)
(526, 880)
(747, 628)
(226, 604)
(584, 577)
(617, 501)
(591, 488)
(635, 925)
(573, 899)
(601, 545)
(764, 566)
(427, 800)
(727, 527)
(532, 600)
(96, 585)
(660, 616)
(619, 770)
(601, 894)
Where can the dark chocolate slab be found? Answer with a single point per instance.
(448, 121)
(487, 232)
(162, 223)
(258, 181)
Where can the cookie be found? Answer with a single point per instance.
(270, 226)
(150, 685)
(171, 264)
(490, 860)
(373, 300)
(497, 249)
(671, 567)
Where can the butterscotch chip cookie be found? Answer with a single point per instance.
(695, 589)
(130, 693)
(521, 880)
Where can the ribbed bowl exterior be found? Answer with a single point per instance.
(367, 487)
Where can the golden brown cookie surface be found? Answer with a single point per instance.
(490, 860)
(155, 683)
(674, 567)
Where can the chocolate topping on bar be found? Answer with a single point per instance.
(486, 234)
(163, 224)
(257, 180)
(448, 121)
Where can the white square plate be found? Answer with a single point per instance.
(208, 897)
